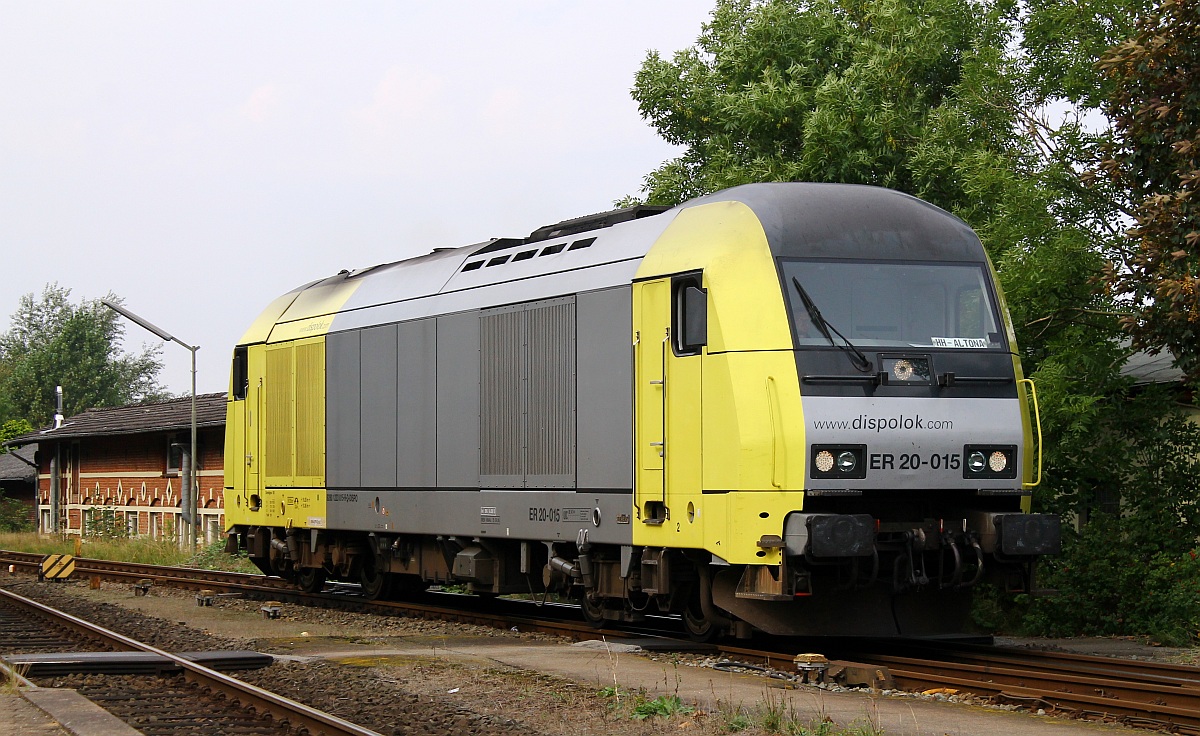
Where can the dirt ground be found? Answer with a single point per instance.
(447, 678)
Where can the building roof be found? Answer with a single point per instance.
(12, 467)
(163, 416)
(1146, 368)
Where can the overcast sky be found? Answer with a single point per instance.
(201, 158)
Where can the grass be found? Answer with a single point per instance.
(10, 678)
(136, 549)
(770, 716)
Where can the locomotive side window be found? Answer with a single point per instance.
(689, 315)
(240, 373)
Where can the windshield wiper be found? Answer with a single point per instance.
(857, 358)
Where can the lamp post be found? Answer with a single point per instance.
(193, 481)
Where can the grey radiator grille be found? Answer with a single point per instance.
(527, 395)
(501, 400)
(550, 373)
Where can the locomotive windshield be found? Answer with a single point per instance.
(893, 304)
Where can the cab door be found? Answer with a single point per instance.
(651, 317)
(252, 427)
(669, 370)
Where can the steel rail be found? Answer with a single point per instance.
(1100, 706)
(284, 710)
(1070, 663)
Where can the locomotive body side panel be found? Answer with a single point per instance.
(416, 404)
(458, 440)
(377, 410)
(604, 365)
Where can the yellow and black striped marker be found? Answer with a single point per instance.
(56, 567)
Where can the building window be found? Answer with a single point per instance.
(175, 451)
(179, 444)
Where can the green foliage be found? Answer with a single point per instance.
(732, 718)
(132, 549)
(14, 515)
(855, 91)
(1064, 39)
(1105, 590)
(13, 428)
(1131, 569)
(54, 342)
(1154, 103)
(775, 715)
(104, 523)
(611, 692)
(663, 706)
(214, 557)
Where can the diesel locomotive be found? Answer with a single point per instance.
(795, 408)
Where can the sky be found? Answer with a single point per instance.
(199, 159)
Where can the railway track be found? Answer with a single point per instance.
(1131, 692)
(1134, 693)
(554, 619)
(199, 700)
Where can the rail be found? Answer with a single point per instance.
(285, 710)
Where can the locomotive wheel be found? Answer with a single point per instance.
(375, 584)
(593, 610)
(697, 626)
(311, 579)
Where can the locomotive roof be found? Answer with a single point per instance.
(853, 221)
(604, 250)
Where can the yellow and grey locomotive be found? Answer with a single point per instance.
(789, 407)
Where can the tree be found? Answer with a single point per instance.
(1154, 104)
(13, 428)
(53, 342)
(856, 91)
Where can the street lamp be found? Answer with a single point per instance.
(194, 480)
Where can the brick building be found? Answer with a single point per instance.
(124, 465)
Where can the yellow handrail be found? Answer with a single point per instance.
(1037, 420)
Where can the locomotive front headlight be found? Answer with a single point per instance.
(911, 369)
(990, 461)
(843, 462)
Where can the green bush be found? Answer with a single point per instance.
(1126, 464)
(14, 515)
(1108, 585)
(104, 523)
